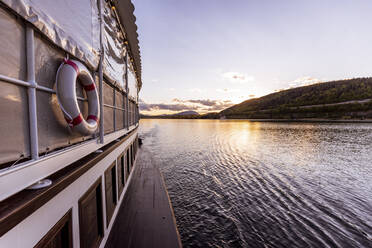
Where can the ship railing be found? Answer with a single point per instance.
(20, 176)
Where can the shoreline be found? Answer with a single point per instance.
(278, 120)
(308, 120)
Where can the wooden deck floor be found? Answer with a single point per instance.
(145, 217)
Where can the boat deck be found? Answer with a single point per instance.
(145, 217)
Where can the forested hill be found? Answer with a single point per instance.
(291, 100)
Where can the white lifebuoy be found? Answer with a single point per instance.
(67, 75)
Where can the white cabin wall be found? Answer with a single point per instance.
(34, 227)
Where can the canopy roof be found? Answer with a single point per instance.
(125, 10)
(74, 26)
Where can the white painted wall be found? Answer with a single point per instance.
(28, 233)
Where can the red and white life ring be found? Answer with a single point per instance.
(67, 75)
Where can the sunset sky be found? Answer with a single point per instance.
(205, 55)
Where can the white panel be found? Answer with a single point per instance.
(49, 214)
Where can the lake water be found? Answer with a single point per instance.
(255, 184)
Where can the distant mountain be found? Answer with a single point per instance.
(342, 99)
(336, 99)
(187, 113)
(180, 115)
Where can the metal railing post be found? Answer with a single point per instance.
(100, 77)
(114, 100)
(31, 92)
(123, 107)
(100, 82)
(126, 89)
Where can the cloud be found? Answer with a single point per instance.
(220, 105)
(227, 90)
(303, 81)
(204, 102)
(164, 106)
(195, 90)
(199, 105)
(237, 77)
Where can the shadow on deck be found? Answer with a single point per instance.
(145, 217)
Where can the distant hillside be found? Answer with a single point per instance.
(335, 99)
(180, 115)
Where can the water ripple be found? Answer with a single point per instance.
(243, 184)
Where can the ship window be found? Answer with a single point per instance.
(60, 235)
(128, 162)
(110, 188)
(122, 166)
(134, 149)
(131, 155)
(91, 216)
(121, 171)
